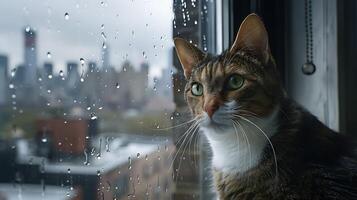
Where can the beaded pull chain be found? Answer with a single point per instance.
(309, 67)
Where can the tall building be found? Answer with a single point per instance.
(72, 77)
(3, 79)
(48, 69)
(30, 56)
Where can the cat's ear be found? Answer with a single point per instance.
(188, 54)
(253, 38)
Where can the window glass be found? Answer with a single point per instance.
(90, 96)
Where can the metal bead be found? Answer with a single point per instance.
(308, 68)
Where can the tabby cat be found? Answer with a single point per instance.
(264, 145)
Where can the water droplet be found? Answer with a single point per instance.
(48, 91)
(138, 155)
(13, 72)
(93, 116)
(61, 73)
(104, 45)
(49, 76)
(82, 79)
(27, 29)
(13, 96)
(44, 139)
(88, 108)
(146, 157)
(49, 55)
(66, 16)
(82, 61)
(98, 172)
(100, 108)
(68, 170)
(11, 86)
(171, 117)
(86, 162)
(107, 147)
(102, 26)
(103, 36)
(117, 85)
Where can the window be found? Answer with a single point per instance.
(87, 90)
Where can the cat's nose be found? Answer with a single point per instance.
(211, 107)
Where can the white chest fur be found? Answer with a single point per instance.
(240, 148)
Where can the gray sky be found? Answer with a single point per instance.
(131, 28)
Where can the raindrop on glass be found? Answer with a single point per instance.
(49, 55)
(68, 170)
(27, 29)
(44, 139)
(11, 86)
(138, 155)
(66, 16)
(50, 76)
(117, 85)
(93, 116)
(61, 73)
(82, 61)
(13, 72)
(103, 36)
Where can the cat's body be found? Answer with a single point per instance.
(313, 162)
(264, 145)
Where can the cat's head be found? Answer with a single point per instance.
(243, 80)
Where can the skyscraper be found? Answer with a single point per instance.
(3, 79)
(72, 75)
(30, 56)
(48, 69)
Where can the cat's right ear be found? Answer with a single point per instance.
(188, 54)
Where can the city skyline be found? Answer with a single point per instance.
(80, 34)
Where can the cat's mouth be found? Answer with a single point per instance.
(218, 120)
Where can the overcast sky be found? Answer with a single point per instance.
(131, 28)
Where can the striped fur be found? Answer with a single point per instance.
(282, 151)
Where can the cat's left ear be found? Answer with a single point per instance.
(252, 37)
(188, 54)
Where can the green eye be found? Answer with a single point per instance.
(235, 82)
(197, 89)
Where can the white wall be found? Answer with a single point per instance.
(318, 92)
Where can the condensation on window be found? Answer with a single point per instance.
(92, 103)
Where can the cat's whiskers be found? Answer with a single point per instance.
(178, 125)
(185, 146)
(268, 139)
(185, 136)
(245, 137)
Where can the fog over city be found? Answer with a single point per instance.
(139, 31)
